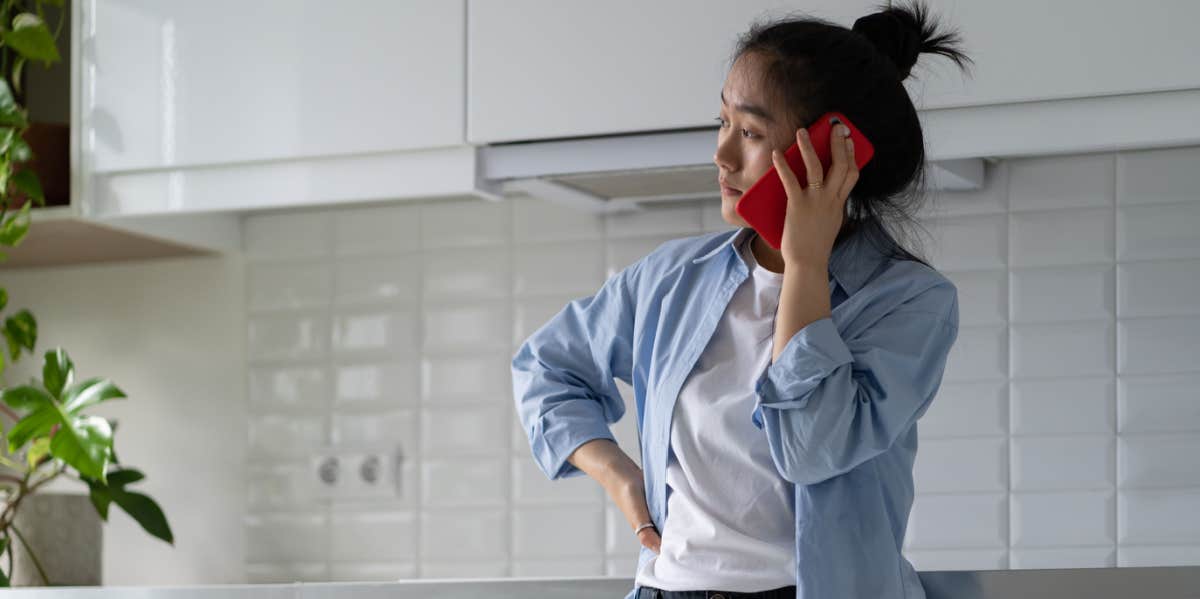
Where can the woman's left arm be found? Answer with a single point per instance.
(827, 403)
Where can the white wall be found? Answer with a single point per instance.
(170, 333)
(1061, 437)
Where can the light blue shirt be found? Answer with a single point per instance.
(839, 407)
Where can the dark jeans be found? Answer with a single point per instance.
(788, 592)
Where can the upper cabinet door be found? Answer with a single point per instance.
(1026, 50)
(540, 69)
(179, 82)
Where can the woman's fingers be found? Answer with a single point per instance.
(651, 540)
(838, 145)
(790, 183)
(851, 171)
(812, 164)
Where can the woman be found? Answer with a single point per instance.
(777, 391)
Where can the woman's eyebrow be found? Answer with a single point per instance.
(754, 109)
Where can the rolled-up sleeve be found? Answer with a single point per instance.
(563, 374)
(828, 404)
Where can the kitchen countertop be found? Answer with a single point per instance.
(1173, 582)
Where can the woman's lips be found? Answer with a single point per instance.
(730, 191)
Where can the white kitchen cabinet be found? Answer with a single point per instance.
(180, 83)
(540, 69)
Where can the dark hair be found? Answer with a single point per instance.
(813, 66)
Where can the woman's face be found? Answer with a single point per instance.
(751, 125)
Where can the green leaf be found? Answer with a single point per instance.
(27, 182)
(23, 329)
(7, 135)
(127, 476)
(146, 512)
(13, 230)
(18, 68)
(58, 372)
(88, 393)
(11, 113)
(100, 496)
(39, 449)
(84, 443)
(31, 38)
(4, 582)
(26, 397)
(34, 424)
(21, 151)
(3, 298)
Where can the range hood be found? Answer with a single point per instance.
(616, 173)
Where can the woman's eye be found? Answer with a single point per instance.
(745, 132)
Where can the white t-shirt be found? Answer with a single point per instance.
(730, 522)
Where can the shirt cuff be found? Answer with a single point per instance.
(812, 354)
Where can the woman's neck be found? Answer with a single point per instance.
(766, 256)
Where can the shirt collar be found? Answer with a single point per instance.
(850, 262)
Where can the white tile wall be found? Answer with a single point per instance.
(1064, 434)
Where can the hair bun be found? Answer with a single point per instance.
(897, 33)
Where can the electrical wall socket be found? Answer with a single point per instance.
(356, 473)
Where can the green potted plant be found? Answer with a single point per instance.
(52, 434)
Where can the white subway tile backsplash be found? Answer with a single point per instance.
(1163, 403)
(625, 567)
(1158, 345)
(464, 482)
(1160, 461)
(283, 285)
(287, 536)
(1063, 406)
(464, 430)
(962, 465)
(287, 236)
(958, 559)
(1068, 518)
(537, 221)
(619, 540)
(373, 535)
(466, 275)
(711, 219)
(1158, 176)
(1159, 516)
(1064, 557)
(1062, 349)
(673, 221)
(1159, 231)
(1045, 183)
(463, 534)
(467, 328)
(375, 331)
(992, 198)
(1063, 462)
(575, 268)
(287, 387)
(532, 312)
(391, 382)
(369, 280)
(975, 242)
(546, 532)
(621, 254)
(966, 409)
(457, 569)
(1139, 556)
(589, 566)
(294, 335)
(375, 429)
(1063, 294)
(978, 520)
(285, 435)
(978, 353)
(277, 485)
(483, 378)
(465, 223)
(1061, 237)
(385, 229)
(982, 296)
(531, 487)
(1167, 288)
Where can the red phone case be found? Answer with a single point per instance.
(764, 205)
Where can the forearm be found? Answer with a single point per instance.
(604, 461)
(804, 299)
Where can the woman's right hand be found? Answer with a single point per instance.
(628, 492)
(621, 477)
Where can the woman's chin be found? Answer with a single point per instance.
(729, 213)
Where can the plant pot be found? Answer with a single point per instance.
(51, 146)
(64, 532)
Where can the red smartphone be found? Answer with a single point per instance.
(764, 205)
